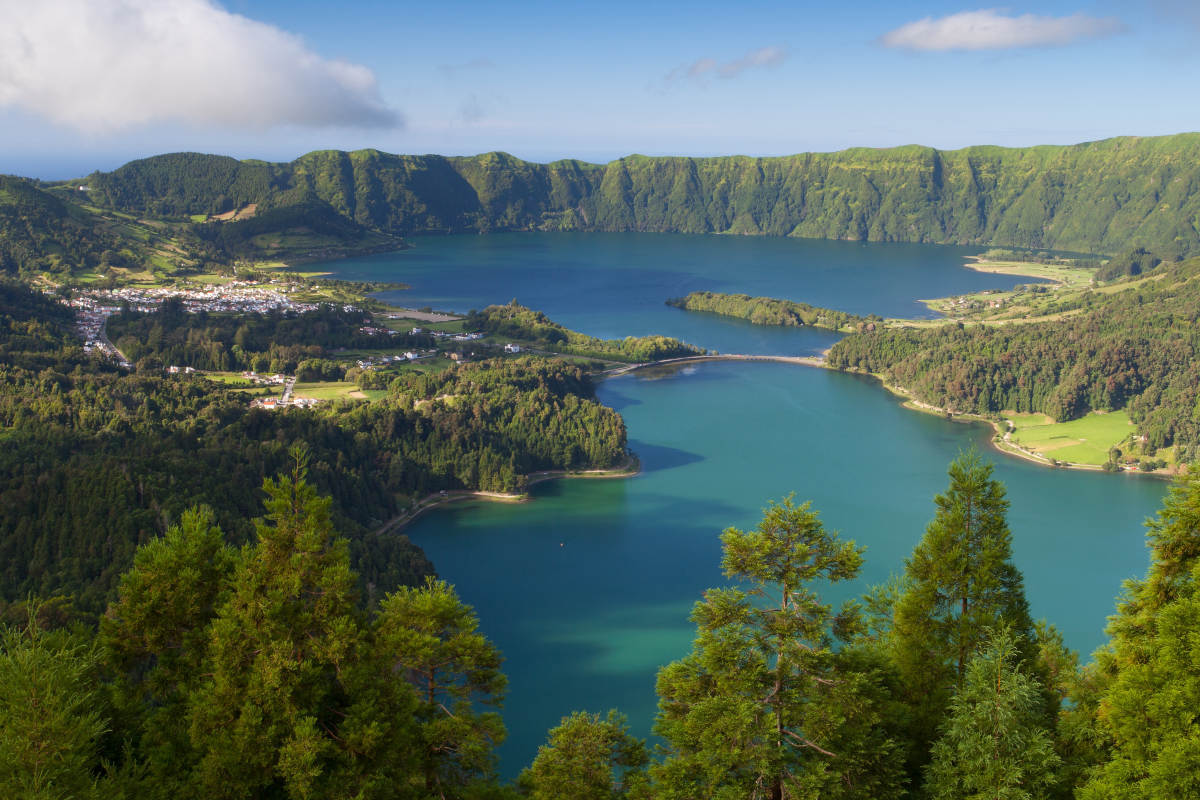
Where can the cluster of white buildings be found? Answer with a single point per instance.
(270, 380)
(276, 403)
(457, 337)
(236, 297)
(380, 361)
(371, 330)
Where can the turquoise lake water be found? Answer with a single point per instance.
(588, 588)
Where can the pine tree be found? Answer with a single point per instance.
(993, 744)
(581, 758)
(1149, 707)
(266, 719)
(959, 583)
(455, 670)
(155, 636)
(764, 706)
(50, 718)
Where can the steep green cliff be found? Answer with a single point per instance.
(1101, 197)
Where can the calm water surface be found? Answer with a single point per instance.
(587, 590)
(614, 285)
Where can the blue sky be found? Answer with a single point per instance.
(89, 84)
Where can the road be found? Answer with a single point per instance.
(807, 361)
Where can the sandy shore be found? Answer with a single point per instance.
(630, 468)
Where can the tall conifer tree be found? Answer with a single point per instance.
(765, 706)
(298, 703)
(1151, 705)
(959, 583)
(994, 743)
(588, 757)
(455, 670)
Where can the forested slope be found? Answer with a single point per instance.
(41, 232)
(1101, 197)
(95, 461)
(1134, 348)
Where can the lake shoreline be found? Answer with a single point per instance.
(1053, 273)
(999, 441)
(631, 468)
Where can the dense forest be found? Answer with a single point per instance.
(91, 448)
(264, 672)
(1132, 346)
(517, 321)
(1098, 197)
(769, 311)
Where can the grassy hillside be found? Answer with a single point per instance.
(1098, 197)
(40, 232)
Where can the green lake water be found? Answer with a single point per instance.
(587, 589)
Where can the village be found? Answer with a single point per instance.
(93, 308)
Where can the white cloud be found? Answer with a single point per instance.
(704, 68)
(109, 65)
(989, 29)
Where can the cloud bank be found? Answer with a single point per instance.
(110, 65)
(990, 30)
(709, 67)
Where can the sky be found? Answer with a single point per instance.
(91, 84)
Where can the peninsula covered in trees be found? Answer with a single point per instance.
(518, 322)
(770, 311)
(89, 446)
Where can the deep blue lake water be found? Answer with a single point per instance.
(588, 588)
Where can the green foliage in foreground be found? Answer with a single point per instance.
(1097, 197)
(770, 703)
(1150, 671)
(960, 583)
(260, 673)
(588, 758)
(50, 722)
(1136, 348)
(994, 742)
(518, 322)
(770, 311)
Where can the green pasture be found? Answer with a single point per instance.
(1083, 441)
(329, 390)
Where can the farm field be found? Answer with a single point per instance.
(1082, 441)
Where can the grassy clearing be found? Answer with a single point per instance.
(1072, 277)
(1082, 441)
(231, 379)
(426, 365)
(329, 390)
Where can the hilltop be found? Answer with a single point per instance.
(1098, 197)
